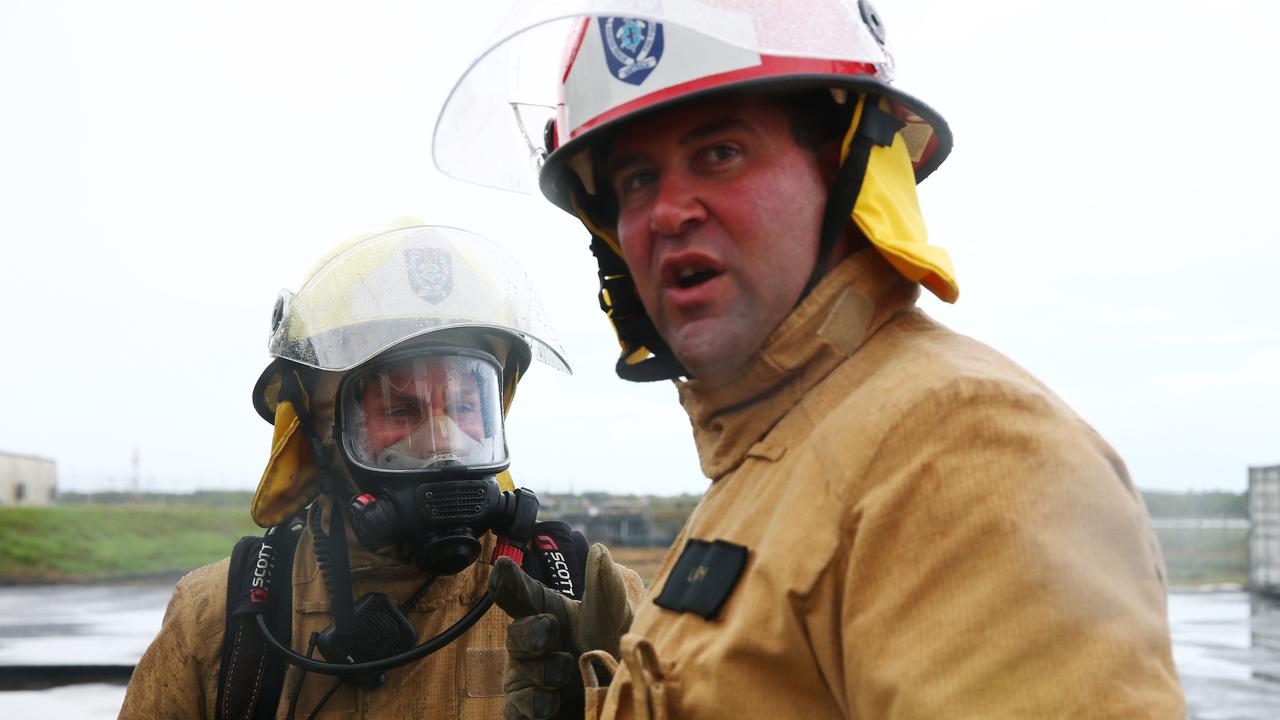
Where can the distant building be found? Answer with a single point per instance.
(27, 480)
(1264, 528)
(614, 521)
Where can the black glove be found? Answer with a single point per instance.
(549, 631)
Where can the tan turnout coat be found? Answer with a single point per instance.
(178, 675)
(932, 533)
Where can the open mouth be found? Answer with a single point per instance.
(692, 276)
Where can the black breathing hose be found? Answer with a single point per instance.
(453, 632)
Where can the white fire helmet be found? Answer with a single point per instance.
(516, 120)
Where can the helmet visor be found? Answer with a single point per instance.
(404, 284)
(425, 412)
(490, 130)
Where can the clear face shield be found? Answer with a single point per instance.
(491, 128)
(404, 284)
(431, 410)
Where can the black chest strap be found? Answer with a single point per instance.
(251, 678)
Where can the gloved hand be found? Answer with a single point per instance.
(549, 631)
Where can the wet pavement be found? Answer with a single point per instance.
(81, 625)
(1226, 645)
(1227, 649)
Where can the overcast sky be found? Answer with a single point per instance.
(166, 168)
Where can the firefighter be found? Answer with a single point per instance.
(393, 369)
(901, 522)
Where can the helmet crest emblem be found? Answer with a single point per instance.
(633, 47)
(430, 273)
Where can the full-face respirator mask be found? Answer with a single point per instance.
(422, 433)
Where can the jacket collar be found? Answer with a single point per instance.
(853, 301)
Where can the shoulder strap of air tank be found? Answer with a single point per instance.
(250, 678)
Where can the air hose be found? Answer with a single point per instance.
(453, 632)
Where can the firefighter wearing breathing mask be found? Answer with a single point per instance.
(387, 496)
(901, 522)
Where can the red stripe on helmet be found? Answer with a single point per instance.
(770, 66)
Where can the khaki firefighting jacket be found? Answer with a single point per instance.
(178, 675)
(930, 533)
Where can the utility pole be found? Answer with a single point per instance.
(133, 481)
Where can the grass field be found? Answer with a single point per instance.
(88, 542)
(115, 541)
(1205, 556)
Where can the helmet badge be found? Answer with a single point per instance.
(633, 47)
(430, 273)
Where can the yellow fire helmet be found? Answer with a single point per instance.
(371, 298)
(624, 60)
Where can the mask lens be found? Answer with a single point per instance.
(425, 412)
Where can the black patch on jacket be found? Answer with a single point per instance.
(703, 577)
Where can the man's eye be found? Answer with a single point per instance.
(404, 411)
(721, 152)
(634, 181)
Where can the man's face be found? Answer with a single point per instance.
(719, 215)
(425, 399)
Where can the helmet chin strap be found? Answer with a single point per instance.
(870, 126)
(645, 357)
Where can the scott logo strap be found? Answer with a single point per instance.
(559, 559)
(259, 593)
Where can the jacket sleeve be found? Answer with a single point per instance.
(1003, 566)
(178, 674)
